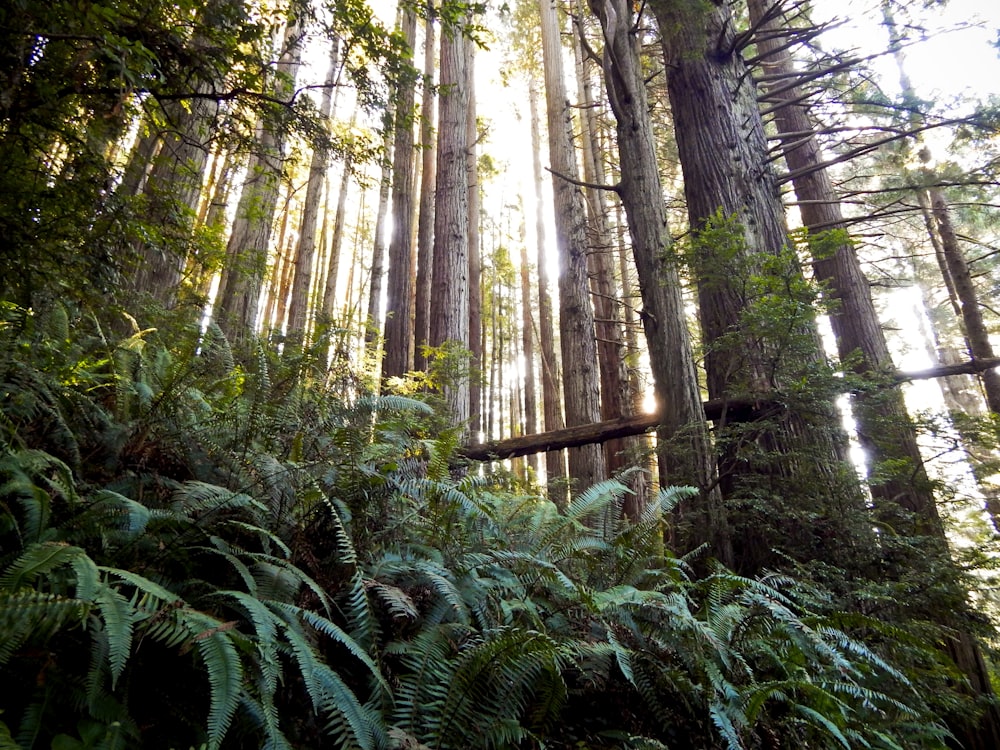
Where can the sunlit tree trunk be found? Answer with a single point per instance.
(581, 376)
(475, 260)
(305, 254)
(328, 303)
(398, 338)
(552, 416)
(238, 303)
(528, 348)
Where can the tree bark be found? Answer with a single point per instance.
(684, 448)
(581, 381)
(425, 222)
(449, 310)
(756, 316)
(552, 417)
(884, 427)
(249, 243)
(398, 339)
(615, 401)
(475, 260)
(305, 252)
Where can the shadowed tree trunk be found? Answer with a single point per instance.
(615, 401)
(884, 427)
(684, 450)
(755, 309)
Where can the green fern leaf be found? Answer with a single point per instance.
(118, 617)
(225, 672)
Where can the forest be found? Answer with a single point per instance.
(536, 375)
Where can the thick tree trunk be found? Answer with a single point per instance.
(581, 378)
(745, 269)
(398, 340)
(449, 302)
(552, 418)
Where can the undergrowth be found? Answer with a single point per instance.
(199, 549)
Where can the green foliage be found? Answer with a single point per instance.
(235, 555)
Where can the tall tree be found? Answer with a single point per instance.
(615, 401)
(428, 180)
(449, 303)
(684, 449)
(755, 309)
(305, 254)
(399, 282)
(552, 414)
(581, 377)
(475, 259)
(884, 427)
(249, 242)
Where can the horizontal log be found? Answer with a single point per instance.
(600, 432)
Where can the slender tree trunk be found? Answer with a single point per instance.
(328, 308)
(173, 192)
(247, 252)
(555, 464)
(685, 452)
(373, 317)
(425, 222)
(449, 310)
(528, 349)
(581, 377)
(399, 282)
(475, 260)
(615, 400)
(305, 253)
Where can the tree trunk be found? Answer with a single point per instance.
(615, 401)
(475, 260)
(425, 222)
(884, 427)
(449, 311)
(581, 379)
(552, 418)
(305, 253)
(528, 350)
(249, 243)
(399, 282)
(684, 448)
(756, 316)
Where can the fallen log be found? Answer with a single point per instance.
(735, 410)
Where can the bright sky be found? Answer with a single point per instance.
(943, 65)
